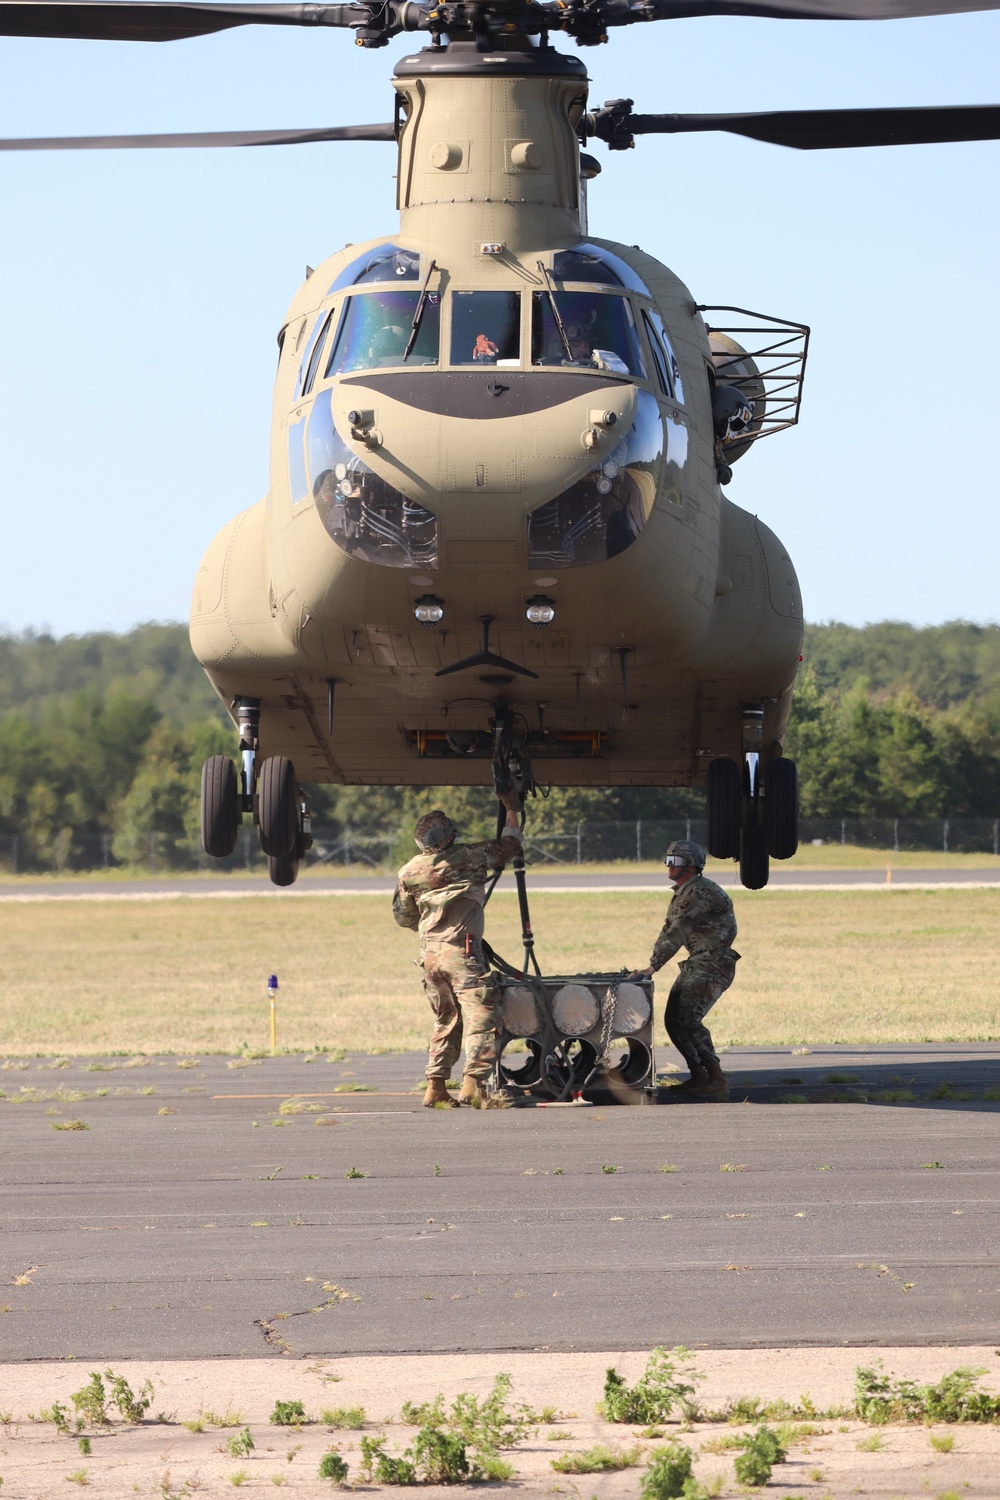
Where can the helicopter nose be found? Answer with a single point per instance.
(513, 434)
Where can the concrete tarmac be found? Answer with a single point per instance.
(293, 1206)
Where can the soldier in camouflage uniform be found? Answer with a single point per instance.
(700, 918)
(440, 894)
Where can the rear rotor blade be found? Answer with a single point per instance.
(159, 20)
(202, 138)
(811, 129)
(816, 10)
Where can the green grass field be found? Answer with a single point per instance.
(189, 976)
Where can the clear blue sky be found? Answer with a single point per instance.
(142, 293)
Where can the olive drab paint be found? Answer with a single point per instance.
(508, 455)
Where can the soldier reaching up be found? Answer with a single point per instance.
(441, 894)
(699, 918)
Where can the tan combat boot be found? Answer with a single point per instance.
(714, 1084)
(474, 1092)
(698, 1080)
(436, 1094)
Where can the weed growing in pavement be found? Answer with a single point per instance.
(84, 1446)
(90, 1402)
(932, 1166)
(240, 1444)
(56, 1414)
(558, 1436)
(332, 1466)
(761, 1451)
(664, 1385)
(69, 1125)
(942, 1442)
(229, 1418)
(355, 1173)
(954, 1398)
(351, 1417)
(288, 1414)
(491, 1423)
(600, 1459)
(78, 1476)
(132, 1407)
(609, 1170)
(669, 1476)
(873, 1443)
(240, 1476)
(485, 1424)
(434, 1457)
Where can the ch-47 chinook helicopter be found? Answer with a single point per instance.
(495, 530)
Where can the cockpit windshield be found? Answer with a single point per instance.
(375, 331)
(600, 267)
(592, 331)
(381, 263)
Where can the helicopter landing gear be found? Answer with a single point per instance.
(723, 804)
(781, 808)
(754, 859)
(277, 810)
(220, 806)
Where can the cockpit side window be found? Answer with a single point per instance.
(659, 358)
(315, 339)
(598, 332)
(659, 334)
(376, 329)
(382, 263)
(314, 358)
(486, 328)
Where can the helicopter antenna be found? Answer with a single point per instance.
(421, 303)
(555, 311)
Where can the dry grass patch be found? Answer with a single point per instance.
(849, 966)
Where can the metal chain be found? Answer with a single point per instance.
(608, 1007)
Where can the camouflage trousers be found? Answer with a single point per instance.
(464, 997)
(692, 995)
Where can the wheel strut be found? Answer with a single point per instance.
(248, 716)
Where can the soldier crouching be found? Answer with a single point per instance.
(441, 894)
(700, 918)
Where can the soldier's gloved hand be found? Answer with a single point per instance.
(640, 974)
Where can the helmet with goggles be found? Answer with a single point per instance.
(685, 854)
(434, 831)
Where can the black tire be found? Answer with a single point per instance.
(723, 808)
(277, 808)
(283, 869)
(781, 809)
(755, 866)
(220, 806)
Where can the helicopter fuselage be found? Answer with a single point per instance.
(492, 417)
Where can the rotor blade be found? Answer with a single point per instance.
(831, 129)
(201, 138)
(816, 10)
(161, 20)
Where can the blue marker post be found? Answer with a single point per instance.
(272, 995)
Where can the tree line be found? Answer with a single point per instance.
(102, 738)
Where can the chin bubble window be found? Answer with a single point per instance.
(486, 328)
(365, 515)
(591, 332)
(603, 513)
(377, 331)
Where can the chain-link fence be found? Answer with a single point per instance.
(580, 844)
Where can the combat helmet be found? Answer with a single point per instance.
(434, 831)
(686, 852)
